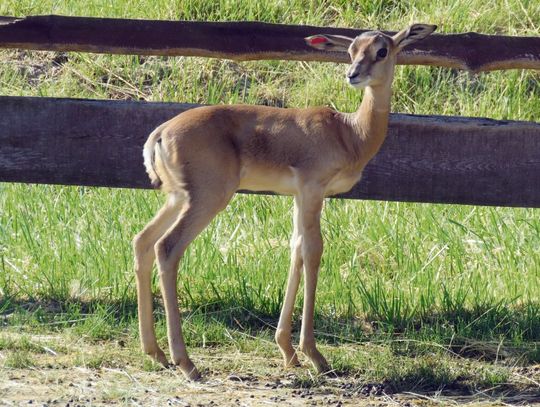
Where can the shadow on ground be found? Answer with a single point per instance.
(468, 336)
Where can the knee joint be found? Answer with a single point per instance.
(138, 243)
(164, 249)
(312, 246)
(296, 243)
(168, 250)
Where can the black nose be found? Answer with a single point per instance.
(352, 74)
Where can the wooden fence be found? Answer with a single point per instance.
(252, 41)
(425, 158)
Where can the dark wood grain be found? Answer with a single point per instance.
(424, 159)
(252, 41)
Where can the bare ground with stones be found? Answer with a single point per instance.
(78, 386)
(71, 371)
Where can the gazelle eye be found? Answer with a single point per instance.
(382, 53)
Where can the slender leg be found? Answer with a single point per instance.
(312, 247)
(283, 332)
(143, 246)
(196, 215)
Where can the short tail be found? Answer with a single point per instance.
(151, 148)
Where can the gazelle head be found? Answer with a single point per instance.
(373, 53)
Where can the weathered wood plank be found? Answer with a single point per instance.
(252, 41)
(424, 159)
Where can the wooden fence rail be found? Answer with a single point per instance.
(252, 41)
(425, 158)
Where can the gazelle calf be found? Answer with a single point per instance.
(204, 155)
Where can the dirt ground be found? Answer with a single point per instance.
(77, 386)
(82, 386)
(69, 371)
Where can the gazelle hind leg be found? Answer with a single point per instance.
(284, 328)
(202, 207)
(143, 247)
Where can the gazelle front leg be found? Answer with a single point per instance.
(312, 246)
(283, 332)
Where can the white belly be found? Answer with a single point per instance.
(343, 183)
(280, 181)
(285, 181)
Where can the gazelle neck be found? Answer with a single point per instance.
(370, 121)
(372, 115)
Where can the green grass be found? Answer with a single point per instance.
(417, 280)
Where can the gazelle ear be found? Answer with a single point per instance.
(329, 42)
(412, 34)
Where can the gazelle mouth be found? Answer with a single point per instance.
(358, 82)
